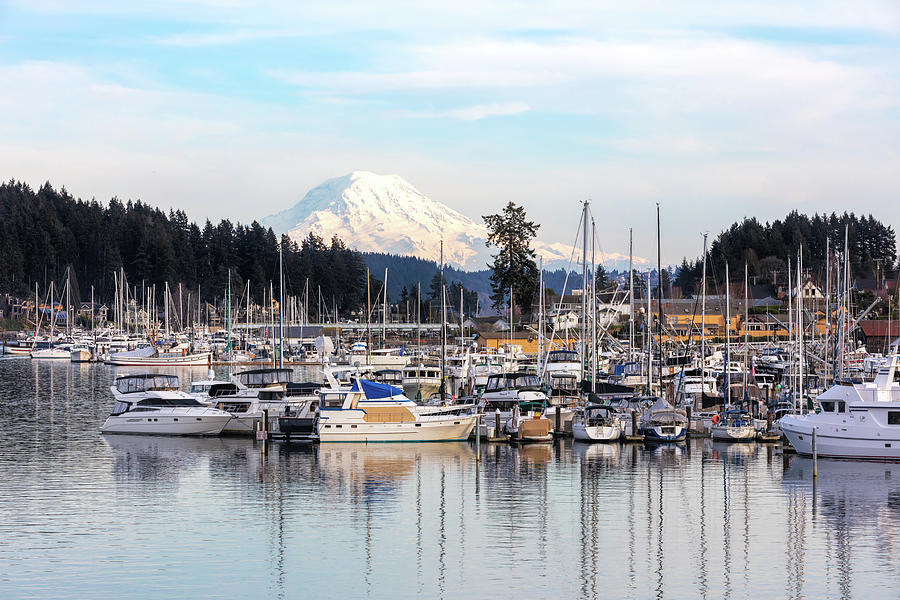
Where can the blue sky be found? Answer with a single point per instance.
(234, 109)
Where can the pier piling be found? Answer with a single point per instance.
(815, 453)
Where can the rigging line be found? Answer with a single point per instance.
(566, 280)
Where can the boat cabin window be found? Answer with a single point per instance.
(169, 402)
(827, 405)
(198, 388)
(144, 383)
(893, 417)
(119, 408)
(270, 396)
(332, 400)
(562, 356)
(525, 381)
(841, 406)
(264, 377)
(494, 384)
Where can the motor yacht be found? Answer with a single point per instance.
(152, 403)
(368, 411)
(855, 420)
(503, 392)
(252, 394)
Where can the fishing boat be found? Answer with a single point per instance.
(368, 411)
(596, 423)
(855, 420)
(152, 403)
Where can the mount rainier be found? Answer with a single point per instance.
(385, 213)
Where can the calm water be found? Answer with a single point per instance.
(88, 516)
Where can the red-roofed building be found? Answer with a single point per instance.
(878, 335)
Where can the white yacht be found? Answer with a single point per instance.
(563, 361)
(596, 423)
(154, 403)
(251, 393)
(857, 420)
(368, 411)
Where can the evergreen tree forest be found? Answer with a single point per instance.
(44, 232)
(767, 248)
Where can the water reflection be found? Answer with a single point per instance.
(85, 515)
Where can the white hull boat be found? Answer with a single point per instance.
(596, 424)
(373, 412)
(54, 353)
(148, 357)
(153, 404)
(858, 421)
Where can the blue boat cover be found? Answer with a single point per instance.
(374, 390)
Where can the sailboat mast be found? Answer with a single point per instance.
(281, 305)
(800, 326)
(584, 284)
(384, 313)
(746, 337)
(630, 295)
(703, 320)
(443, 334)
(659, 295)
(827, 305)
(727, 338)
(593, 306)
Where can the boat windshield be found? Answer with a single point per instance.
(169, 402)
(145, 383)
(562, 356)
(264, 377)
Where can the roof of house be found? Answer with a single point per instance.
(874, 328)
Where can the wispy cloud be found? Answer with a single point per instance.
(470, 113)
(219, 38)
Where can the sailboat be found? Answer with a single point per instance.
(733, 425)
(55, 352)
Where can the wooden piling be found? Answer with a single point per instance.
(815, 453)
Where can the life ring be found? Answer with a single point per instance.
(715, 419)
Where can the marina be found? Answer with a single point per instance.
(699, 519)
(444, 300)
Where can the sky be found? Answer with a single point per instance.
(234, 109)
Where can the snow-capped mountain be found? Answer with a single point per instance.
(385, 213)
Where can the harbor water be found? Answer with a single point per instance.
(83, 515)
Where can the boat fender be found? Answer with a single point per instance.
(715, 419)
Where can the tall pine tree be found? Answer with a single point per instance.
(513, 265)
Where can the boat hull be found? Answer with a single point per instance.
(595, 433)
(166, 424)
(732, 434)
(664, 433)
(202, 359)
(457, 428)
(798, 431)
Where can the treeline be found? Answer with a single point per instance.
(767, 248)
(47, 230)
